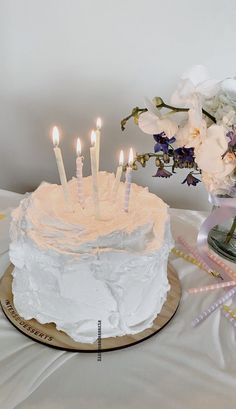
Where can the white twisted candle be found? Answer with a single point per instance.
(128, 180)
(94, 175)
(116, 183)
(98, 141)
(60, 164)
(79, 172)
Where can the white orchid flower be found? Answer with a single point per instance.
(228, 87)
(193, 132)
(217, 185)
(152, 122)
(195, 81)
(218, 174)
(209, 154)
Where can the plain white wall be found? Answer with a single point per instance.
(67, 61)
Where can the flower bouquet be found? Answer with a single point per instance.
(197, 130)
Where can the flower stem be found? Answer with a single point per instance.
(231, 232)
(164, 105)
(137, 111)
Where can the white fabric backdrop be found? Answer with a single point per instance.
(178, 368)
(66, 62)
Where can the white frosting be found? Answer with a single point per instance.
(74, 270)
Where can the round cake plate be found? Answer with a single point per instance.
(47, 334)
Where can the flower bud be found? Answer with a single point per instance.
(157, 101)
(166, 158)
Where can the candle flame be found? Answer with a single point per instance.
(99, 123)
(78, 147)
(93, 138)
(121, 159)
(131, 156)
(55, 136)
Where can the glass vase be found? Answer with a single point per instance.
(222, 239)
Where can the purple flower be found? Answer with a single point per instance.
(191, 180)
(162, 142)
(232, 136)
(184, 154)
(162, 173)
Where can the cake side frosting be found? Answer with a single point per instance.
(74, 270)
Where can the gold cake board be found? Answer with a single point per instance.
(47, 334)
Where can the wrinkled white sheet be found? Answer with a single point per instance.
(178, 368)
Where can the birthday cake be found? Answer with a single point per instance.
(74, 270)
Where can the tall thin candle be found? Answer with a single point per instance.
(59, 160)
(128, 180)
(94, 175)
(116, 183)
(98, 141)
(79, 172)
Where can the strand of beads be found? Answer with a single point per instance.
(230, 311)
(194, 261)
(229, 314)
(213, 307)
(211, 287)
(195, 254)
(220, 263)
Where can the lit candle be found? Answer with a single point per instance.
(97, 144)
(94, 175)
(60, 164)
(116, 183)
(79, 172)
(128, 179)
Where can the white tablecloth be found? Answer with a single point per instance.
(179, 368)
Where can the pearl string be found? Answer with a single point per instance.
(213, 307)
(194, 261)
(196, 255)
(229, 314)
(211, 287)
(220, 263)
